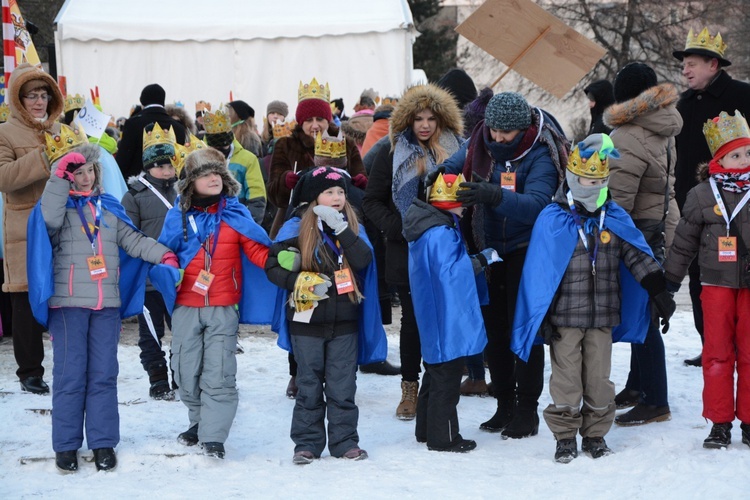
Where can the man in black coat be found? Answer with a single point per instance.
(710, 91)
(131, 145)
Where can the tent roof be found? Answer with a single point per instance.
(181, 20)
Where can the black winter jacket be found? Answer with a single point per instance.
(130, 149)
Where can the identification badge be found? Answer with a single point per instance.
(728, 249)
(203, 282)
(97, 267)
(605, 237)
(508, 181)
(343, 280)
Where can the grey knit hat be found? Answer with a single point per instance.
(279, 107)
(508, 111)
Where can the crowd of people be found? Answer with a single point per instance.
(472, 210)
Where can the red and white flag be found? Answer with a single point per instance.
(17, 45)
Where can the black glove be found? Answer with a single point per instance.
(548, 331)
(479, 192)
(662, 306)
(432, 176)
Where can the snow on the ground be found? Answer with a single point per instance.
(662, 460)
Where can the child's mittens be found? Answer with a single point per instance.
(170, 259)
(483, 259)
(332, 217)
(68, 164)
(289, 259)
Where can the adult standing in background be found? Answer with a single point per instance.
(35, 104)
(601, 96)
(710, 91)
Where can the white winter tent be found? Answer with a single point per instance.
(257, 49)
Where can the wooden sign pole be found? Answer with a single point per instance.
(521, 56)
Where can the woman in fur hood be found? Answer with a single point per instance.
(645, 121)
(426, 128)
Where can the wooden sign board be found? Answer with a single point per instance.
(532, 42)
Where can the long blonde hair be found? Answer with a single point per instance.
(309, 240)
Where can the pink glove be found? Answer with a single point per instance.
(170, 259)
(291, 180)
(360, 181)
(68, 164)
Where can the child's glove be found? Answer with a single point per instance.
(479, 192)
(332, 217)
(289, 259)
(662, 306)
(68, 164)
(170, 259)
(308, 289)
(291, 179)
(483, 259)
(360, 181)
(178, 285)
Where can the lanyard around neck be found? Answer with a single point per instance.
(150, 186)
(79, 204)
(582, 234)
(722, 205)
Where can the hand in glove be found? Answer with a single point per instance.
(432, 176)
(291, 179)
(662, 306)
(360, 181)
(479, 192)
(290, 259)
(483, 259)
(548, 331)
(170, 259)
(332, 217)
(308, 289)
(68, 164)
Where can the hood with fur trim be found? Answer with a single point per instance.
(203, 162)
(419, 98)
(91, 153)
(641, 111)
(25, 73)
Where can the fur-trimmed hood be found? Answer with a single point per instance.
(91, 153)
(203, 162)
(25, 73)
(653, 109)
(419, 98)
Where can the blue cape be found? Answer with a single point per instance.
(445, 298)
(545, 266)
(40, 270)
(372, 343)
(257, 299)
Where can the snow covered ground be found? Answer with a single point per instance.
(663, 460)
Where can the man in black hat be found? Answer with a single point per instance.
(710, 91)
(129, 154)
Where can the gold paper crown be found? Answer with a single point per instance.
(441, 191)
(283, 129)
(705, 41)
(724, 129)
(181, 152)
(158, 136)
(389, 101)
(217, 123)
(60, 144)
(313, 90)
(74, 102)
(202, 106)
(330, 147)
(4, 112)
(591, 168)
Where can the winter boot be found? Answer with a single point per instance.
(407, 408)
(501, 418)
(67, 461)
(471, 387)
(696, 361)
(355, 454)
(720, 436)
(642, 414)
(105, 459)
(159, 380)
(291, 388)
(745, 433)
(303, 457)
(381, 368)
(595, 446)
(627, 398)
(213, 450)
(189, 437)
(459, 445)
(525, 423)
(566, 450)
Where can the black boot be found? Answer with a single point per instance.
(105, 459)
(627, 398)
(745, 433)
(525, 424)
(720, 436)
(642, 414)
(501, 418)
(213, 450)
(34, 385)
(595, 446)
(67, 461)
(381, 368)
(566, 450)
(459, 445)
(696, 361)
(159, 379)
(189, 437)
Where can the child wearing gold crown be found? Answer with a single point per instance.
(82, 240)
(570, 298)
(715, 226)
(447, 308)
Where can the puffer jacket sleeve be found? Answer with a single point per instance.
(687, 239)
(625, 173)
(357, 253)
(138, 245)
(277, 275)
(53, 202)
(131, 208)
(455, 164)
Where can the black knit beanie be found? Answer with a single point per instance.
(243, 109)
(632, 80)
(153, 94)
(460, 85)
(315, 181)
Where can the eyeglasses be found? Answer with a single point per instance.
(36, 97)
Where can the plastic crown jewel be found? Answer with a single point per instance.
(217, 123)
(442, 191)
(725, 128)
(60, 144)
(704, 40)
(158, 136)
(592, 168)
(74, 102)
(181, 152)
(330, 147)
(313, 90)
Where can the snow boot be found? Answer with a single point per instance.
(355, 454)
(501, 418)
(189, 437)
(525, 423)
(459, 445)
(407, 408)
(745, 433)
(642, 414)
(627, 398)
(470, 387)
(213, 450)
(67, 461)
(105, 459)
(303, 458)
(291, 388)
(720, 436)
(159, 380)
(595, 446)
(566, 450)
(696, 361)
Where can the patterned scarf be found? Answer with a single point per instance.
(732, 181)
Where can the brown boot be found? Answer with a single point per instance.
(471, 387)
(407, 408)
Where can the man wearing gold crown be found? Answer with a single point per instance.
(570, 297)
(710, 91)
(35, 102)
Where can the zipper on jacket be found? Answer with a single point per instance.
(234, 279)
(70, 280)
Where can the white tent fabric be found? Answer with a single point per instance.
(259, 50)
